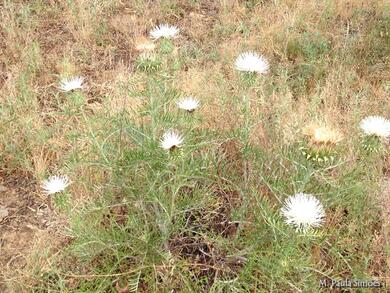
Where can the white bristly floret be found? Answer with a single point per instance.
(171, 140)
(376, 125)
(164, 31)
(303, 211)
(189, 104)
(252, 62)
(70, 84)
(55, 184)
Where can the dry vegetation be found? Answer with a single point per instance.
(207, 221)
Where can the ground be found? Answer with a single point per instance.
(385, 199)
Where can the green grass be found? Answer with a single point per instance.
(154, 200)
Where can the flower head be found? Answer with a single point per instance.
(303, 211)
(164, 31)
(148, 56)
(376, 125)
(322, 135)
(189, 104)
(69, 84)
(171, 140)
(55, 184)
(252, 62)
(142, 44)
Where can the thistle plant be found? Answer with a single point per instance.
(165, 33)
(73, 87)
(303, 211)
(171, 140)
(148, 62)
(71, 84)
(376, 130)
(248, 79)
(320, 155)
(251, 64)
(189, 104)
(166, 46)
(320, 144)
(55, 186)
(372, 144)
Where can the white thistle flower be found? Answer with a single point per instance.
(55, 184)
(164, 31)
(69, 84)
(171, 140)
(303, 211)
(189, 104)
(376, 125)
(252, 62)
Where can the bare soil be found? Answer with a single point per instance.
(22, 216)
